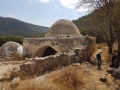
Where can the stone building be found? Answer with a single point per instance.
(62, 37)
(62, 45)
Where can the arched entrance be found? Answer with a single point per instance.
(49, 51)
(45, 51)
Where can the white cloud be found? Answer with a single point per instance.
(12, 15)
(82, 9)
(71, 4)
(44, 1)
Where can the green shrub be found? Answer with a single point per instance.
(4, 39)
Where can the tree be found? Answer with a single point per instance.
(111, 13)
(103, 17)
(116, 25)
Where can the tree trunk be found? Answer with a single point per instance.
(118, 54)
(110, 46)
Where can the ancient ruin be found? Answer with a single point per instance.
(62, 45)
(62, 37)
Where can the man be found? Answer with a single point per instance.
(98, 56)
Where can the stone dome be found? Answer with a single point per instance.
(63, 27)
(12, 49)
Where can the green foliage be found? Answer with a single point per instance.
(87, 27)
(4, 39)
(39, 35)
(11, 26)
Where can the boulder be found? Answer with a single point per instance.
(12, 50)
(15, 81)
(116, 72)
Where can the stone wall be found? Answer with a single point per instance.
(37, 46)
(86, 49)
(69, 50)
(41, 65)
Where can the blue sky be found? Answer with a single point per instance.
(41, 12)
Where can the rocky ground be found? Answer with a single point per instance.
(91, 78)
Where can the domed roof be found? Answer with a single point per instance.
(63, 27)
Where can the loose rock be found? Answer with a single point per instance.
(15, 82)
(103, 79)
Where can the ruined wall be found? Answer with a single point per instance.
(35, 45)
(41, 65)
(38, 45)
(85, 49)
(69, 50)
(89, 48)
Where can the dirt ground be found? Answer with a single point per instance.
(90, 77)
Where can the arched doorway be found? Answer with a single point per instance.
(45, 51)
(49, 51)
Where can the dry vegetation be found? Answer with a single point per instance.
(69, 78)
(104, 49)
(66, 79)
(81, 77)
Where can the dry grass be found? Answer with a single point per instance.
(115, 46)
(98, 46)
(5, 86)
(69, 79)
(104, 48)
(66, 79)
(20, 74)
(28, 85)
(24, 85)
(108, 59)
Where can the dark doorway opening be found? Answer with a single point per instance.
(49, 51)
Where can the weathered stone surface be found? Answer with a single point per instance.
(15, 81)
(47, 63)
(116, 72)
(29, 68)
(12, 50)
(63, 28)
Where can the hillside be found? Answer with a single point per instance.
(87, 27)
(11, 26)
(83, 24)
